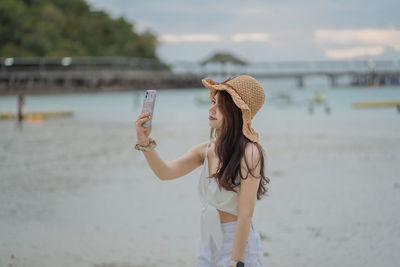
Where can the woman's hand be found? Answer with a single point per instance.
(142, 133)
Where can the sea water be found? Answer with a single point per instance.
(181, 103)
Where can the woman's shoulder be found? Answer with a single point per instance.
(251, 152)
(251, 157)
(200, 150)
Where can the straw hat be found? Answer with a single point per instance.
(247, 94)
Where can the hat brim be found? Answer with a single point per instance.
(213, 87)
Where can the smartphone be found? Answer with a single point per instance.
(148, 105)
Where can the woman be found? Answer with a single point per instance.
(232, 178)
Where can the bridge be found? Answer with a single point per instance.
(359, 72)
(87, 74)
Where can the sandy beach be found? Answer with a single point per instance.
(74, 192)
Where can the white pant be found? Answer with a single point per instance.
(209, 256)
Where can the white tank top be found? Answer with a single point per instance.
(210, 195)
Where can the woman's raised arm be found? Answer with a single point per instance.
(173, 169)
(177, 167)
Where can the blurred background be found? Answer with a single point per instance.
(74, 192)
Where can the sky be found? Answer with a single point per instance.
(261, 31)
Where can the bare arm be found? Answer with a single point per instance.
(247, 197)
(171, 170)
(177, 167)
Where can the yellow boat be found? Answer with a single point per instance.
(36, 118)
(200, 99)
(37, 115)
(376, 104)
(318, 97)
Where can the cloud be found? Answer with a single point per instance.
(189, 38)
(253, 37)
(386, 37)
(202, 38)
(349, 53)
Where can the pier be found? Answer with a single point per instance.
(74, 81)
(356, 72)
(88, 74)
(94, 74)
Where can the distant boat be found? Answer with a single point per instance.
(202, 100)
(35, 116)
(318, 99)
(376, 104)
(282, 98)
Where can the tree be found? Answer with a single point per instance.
(223, 58)
(68, 28)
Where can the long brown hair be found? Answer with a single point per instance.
(230, 148)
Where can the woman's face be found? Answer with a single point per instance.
(215, 116)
